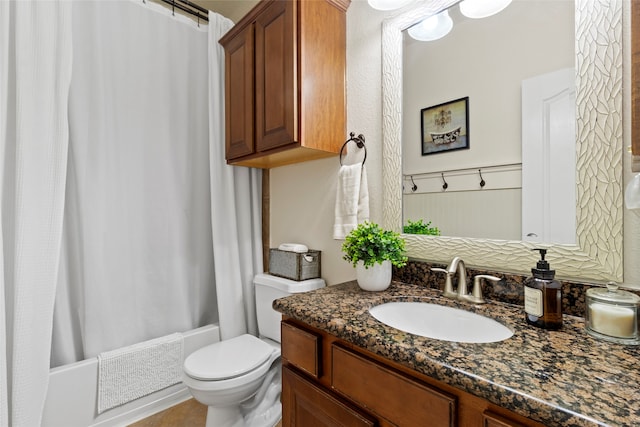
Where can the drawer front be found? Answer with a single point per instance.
(304, 404)
(392, 395)
(301, 348)
(490, 419)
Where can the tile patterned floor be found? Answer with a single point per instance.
(190, 413)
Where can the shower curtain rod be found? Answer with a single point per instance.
(188, 7)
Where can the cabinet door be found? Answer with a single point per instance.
(306, 405)
(239, 105)
(276, 104)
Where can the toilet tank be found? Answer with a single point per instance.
(269, 288)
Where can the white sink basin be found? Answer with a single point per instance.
(440, 322)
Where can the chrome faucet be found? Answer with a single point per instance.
(462, 293)
(456, 265)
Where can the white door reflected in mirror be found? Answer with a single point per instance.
(632, 193)
(549, 158)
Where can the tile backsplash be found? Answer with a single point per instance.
(509, 290)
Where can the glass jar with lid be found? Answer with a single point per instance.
(612, 315)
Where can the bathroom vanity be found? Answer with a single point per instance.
(342, 366)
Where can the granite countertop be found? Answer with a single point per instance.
(563, 378)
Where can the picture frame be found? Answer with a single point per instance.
(445, 127)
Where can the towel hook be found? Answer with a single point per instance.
(359, 140)
(445, 185)
(414, 187)
(482, 182)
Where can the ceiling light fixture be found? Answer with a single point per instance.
(432, 28)
(482, 8)
(388, 4)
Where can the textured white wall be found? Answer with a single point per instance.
(303, 195)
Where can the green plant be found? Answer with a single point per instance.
(369, 243)
(419, 227)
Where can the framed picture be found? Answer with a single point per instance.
(445, 127)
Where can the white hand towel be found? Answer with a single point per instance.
(352, 200)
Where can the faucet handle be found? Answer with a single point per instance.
(448, 284)
(476, 295)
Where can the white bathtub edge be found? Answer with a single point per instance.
(72, 394)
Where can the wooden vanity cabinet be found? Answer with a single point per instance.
(305, 404)
(330, 382)
(285, 64)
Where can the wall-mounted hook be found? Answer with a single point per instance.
(414, 187)
(482, 182)
(445, 185)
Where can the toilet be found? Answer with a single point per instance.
(239, 379)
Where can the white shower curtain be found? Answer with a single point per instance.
(137, 247)
(235, 206)
(35, 70)
(135, 251)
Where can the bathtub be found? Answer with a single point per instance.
(73, 391)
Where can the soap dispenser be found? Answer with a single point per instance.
(543, 296)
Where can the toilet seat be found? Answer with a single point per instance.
(228, 359)
(239, 374)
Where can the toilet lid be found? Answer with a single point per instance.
(227, 359)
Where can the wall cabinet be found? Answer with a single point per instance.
(285, 67)
(330, 382)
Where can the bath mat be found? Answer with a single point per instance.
(132, 372)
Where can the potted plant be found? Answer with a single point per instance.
(372, 251)
(420, 227)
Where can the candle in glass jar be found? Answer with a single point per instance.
(612, 320)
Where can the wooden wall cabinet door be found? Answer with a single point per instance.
(275, 79)
(239, 89)
(285, 91)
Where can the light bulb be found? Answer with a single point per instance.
(387, 4)
(482, 8)
(432, 28)
(632, 193)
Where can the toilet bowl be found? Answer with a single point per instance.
(239, 379)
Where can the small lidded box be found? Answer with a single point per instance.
(294, 265)
(613, 315)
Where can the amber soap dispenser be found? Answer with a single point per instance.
(543, 296)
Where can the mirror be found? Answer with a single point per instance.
(516, 71)
(597, 254)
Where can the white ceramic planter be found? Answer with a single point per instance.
(375, 278)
